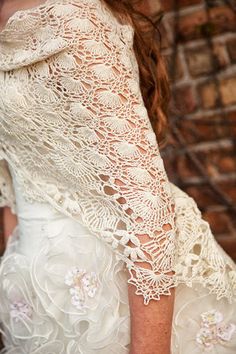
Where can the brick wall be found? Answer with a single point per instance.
(200, 47)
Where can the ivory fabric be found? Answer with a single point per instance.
(77, 131)
(76, 135)
(63, 290)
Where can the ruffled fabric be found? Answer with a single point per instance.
(199, 259)
(61, 289)
(70, 297)
(201, 323)
(64, 291)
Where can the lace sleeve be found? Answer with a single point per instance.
(89, 146)
(111, 127)
(7, 197)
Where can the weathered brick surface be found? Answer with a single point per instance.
(222, 222)
(184, 100)
(199, 61)
(203, 60)
(169, 5)
(199, 23)
(208, 130)
(231, 118)
(228, 91)
(204, 96)
(213, 94)
(231, 46)
(209, 95)
(175, 66)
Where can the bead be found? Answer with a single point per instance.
(214, 330)
(83, 285)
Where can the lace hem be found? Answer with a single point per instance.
(198, 257)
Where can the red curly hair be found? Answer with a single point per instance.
(154, 80)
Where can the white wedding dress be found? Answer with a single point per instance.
(63, 290)
(72, 125)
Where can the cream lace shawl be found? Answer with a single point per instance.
(74, 127)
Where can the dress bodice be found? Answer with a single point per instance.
(38, 221)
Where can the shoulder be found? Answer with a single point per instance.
(77, 13)
(92, 20)
(84, 16)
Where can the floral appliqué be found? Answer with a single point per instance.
(214, 330)
(19, 310)
(82, 284)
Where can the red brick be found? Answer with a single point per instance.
(201, 130)
(196, 25)
(228, 243)
(175, 67)
(194, 132)
(202, 195)
(169, 5)
(185, 169)
(228, 91)
(218, 161)
(209, 95)
(227, 164)
(213, 96)
(231, 46)
(184, 100)
(223, 18)
(229, 189)
(199, 61)
(220, 222)
(231, 118)
(220, 53)
(203, 60)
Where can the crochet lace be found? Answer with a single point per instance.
(74, 126)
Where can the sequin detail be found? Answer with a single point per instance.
(214, 330)
(20, 309)
(82, 284)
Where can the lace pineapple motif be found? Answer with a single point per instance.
(77, 131)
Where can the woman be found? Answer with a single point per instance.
(102, 238)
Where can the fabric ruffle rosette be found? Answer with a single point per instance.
(20, 308)
(68, 298)
(203, 324)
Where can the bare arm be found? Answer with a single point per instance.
(7, 200)
(9, 222)
(150, 325)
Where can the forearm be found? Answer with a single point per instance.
(150, 324)
(9, 222)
